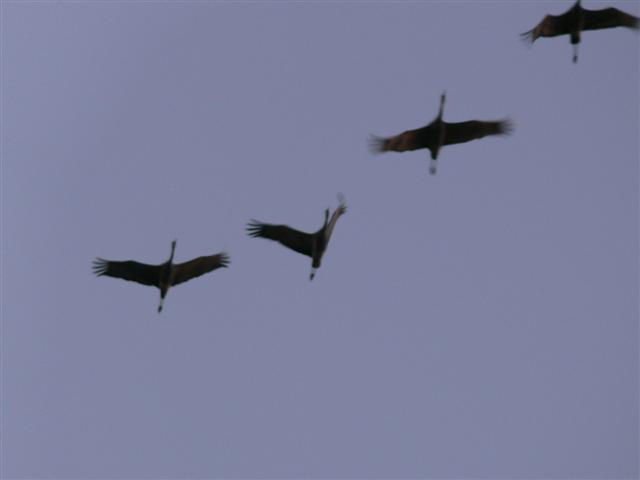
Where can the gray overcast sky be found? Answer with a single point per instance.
(479, 323)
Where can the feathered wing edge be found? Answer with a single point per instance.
(494, 127)
(225, 260)
(255, 228)
(530, 36)
(283, 234)
(527, 37)
(337, 213)
(127, 270)
(504, 126)
(549, 26)
(199, 266)
(406, 141)
(609, 18)
(377, 144)
(100, 266)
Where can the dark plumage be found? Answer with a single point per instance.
(577, 19)
(310, 244)
(439, 133)
(162, 276)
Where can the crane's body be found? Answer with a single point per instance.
(165, 277)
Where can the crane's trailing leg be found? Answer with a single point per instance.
(316, 259)
(166, 276)
(575, 41)
(162, 294)
(314, 249)
(433, 166)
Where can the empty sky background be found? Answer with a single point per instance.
(479, 323)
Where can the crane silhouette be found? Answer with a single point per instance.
(577, 19)
(438, 134)
(163, 276)
(310, 244)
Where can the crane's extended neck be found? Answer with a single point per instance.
(173, 250)
(443, 97)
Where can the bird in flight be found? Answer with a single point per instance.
(577, 19)
(310, 244)
(162, 276)
(438, 134)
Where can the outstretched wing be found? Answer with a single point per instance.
(287, 236)
(406, 141)
(465, 131)
(198, 266)
(341, 210)
(609, 18)
(550, 26)
(128, 270)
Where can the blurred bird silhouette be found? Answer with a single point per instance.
(310, 244)
(438, 134)
(577, 19)
(162, 276)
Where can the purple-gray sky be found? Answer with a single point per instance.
(482, 323)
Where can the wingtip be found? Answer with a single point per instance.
(254, 228)
(527, 38)
(376, 144)
(506, 126)
(99, 266)
(225, 260)
(342, 202)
